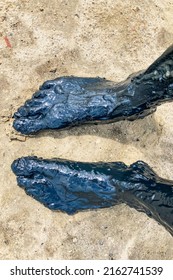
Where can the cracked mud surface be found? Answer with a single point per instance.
(82, 38)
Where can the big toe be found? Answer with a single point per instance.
(27, 126)
(23, 166)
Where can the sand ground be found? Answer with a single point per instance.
(109, 39)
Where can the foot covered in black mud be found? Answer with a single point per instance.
(70, 101)
(73, 186)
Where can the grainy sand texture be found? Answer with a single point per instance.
(41, 40)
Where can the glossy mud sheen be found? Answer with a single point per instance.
(71, 101)
(73, 186)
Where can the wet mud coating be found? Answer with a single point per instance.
(70, 101)
(73, 186)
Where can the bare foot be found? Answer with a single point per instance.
(70, 101)
(73, 186)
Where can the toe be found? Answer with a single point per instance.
(23, 166)
(48, 84)
(32, 166)
(19, 167)
(27, 126)
(24, 182)
(39, 94)
(30, 107)
(34, 188)
(21, 112)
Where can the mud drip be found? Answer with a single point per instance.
(71, 101)
(73, 186)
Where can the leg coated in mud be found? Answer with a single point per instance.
(70, 101)
(73, 186)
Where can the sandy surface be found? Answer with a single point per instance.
(110, 39)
